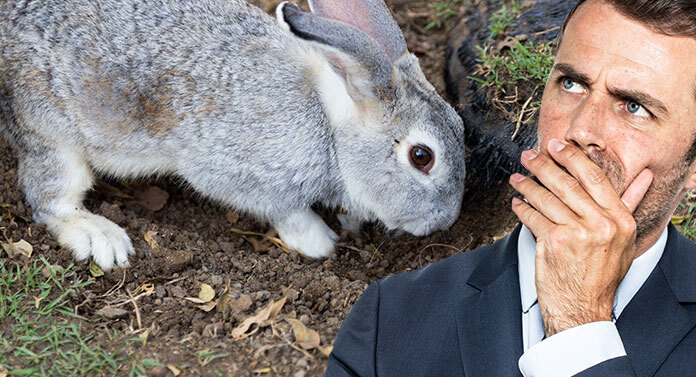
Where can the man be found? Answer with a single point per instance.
(595, 282)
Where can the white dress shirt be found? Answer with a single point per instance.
(571, 351)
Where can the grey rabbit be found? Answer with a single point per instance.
(266, 116)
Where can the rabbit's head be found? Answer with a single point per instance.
(399, 146)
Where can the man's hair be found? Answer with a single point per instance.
(669, 17)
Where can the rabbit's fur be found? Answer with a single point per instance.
(266, 116)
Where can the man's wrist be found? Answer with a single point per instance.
(553, 324)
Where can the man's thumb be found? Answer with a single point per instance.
(637, 189)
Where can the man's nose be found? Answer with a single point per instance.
(589, 123)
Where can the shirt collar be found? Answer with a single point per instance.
(635, 277)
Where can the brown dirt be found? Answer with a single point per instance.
(195, 245)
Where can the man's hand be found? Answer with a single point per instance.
(585, 234)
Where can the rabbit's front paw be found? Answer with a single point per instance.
(307, 232)
(87, 234)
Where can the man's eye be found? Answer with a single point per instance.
(571, 86)
(635, 108)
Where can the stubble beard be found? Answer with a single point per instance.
(658, 200)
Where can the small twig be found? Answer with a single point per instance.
(124, 302)
(369, 264)
(346, 246)
(118, 286)
(420, 263)
(519, 120)
(176, 280)
(546, 31)
(137, 311)
(87, 300)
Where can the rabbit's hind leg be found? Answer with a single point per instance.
(305, 231)
(54, 181)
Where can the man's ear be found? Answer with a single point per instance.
(360, 59)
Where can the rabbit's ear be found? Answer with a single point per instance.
(354, 52)
(372, 17)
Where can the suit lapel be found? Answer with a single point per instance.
(489, 322)
(654, 321)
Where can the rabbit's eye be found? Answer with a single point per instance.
(421, 158)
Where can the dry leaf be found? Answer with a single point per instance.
(175, 371)
(208, 306)
(206, 293)
(149, 238)
(326, 351)
(144, 336)
(95, 270)
(224, 299)
(305, 337)
(264, 370)
(195, 300)
(37, 301)
(260, 319)
(232, 216)
(152, 198)
(257, 245)
(48, 271)
(678, 219)
(147, 288)
(21, 247)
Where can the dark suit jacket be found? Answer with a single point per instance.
(463, 317)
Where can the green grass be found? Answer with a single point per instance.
(39, 333)
(443, 11)
(505, 17)
(522, 62)
(685, 216)
(205, 357)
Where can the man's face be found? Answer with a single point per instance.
(626, 96)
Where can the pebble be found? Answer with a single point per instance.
(212, 330)
(240, 304)
(261, 295)
(216, 280)
(176, 291)
(227, 247)
(159, 371)
(160, 291)
(174, 333)
(169, 301)
(290, 293)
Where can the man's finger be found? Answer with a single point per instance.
(560, 183)
(637, 189)
(590, 176)
(533, 219)
(541, 199)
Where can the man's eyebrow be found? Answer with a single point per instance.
(571, 72)
(654, 104)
